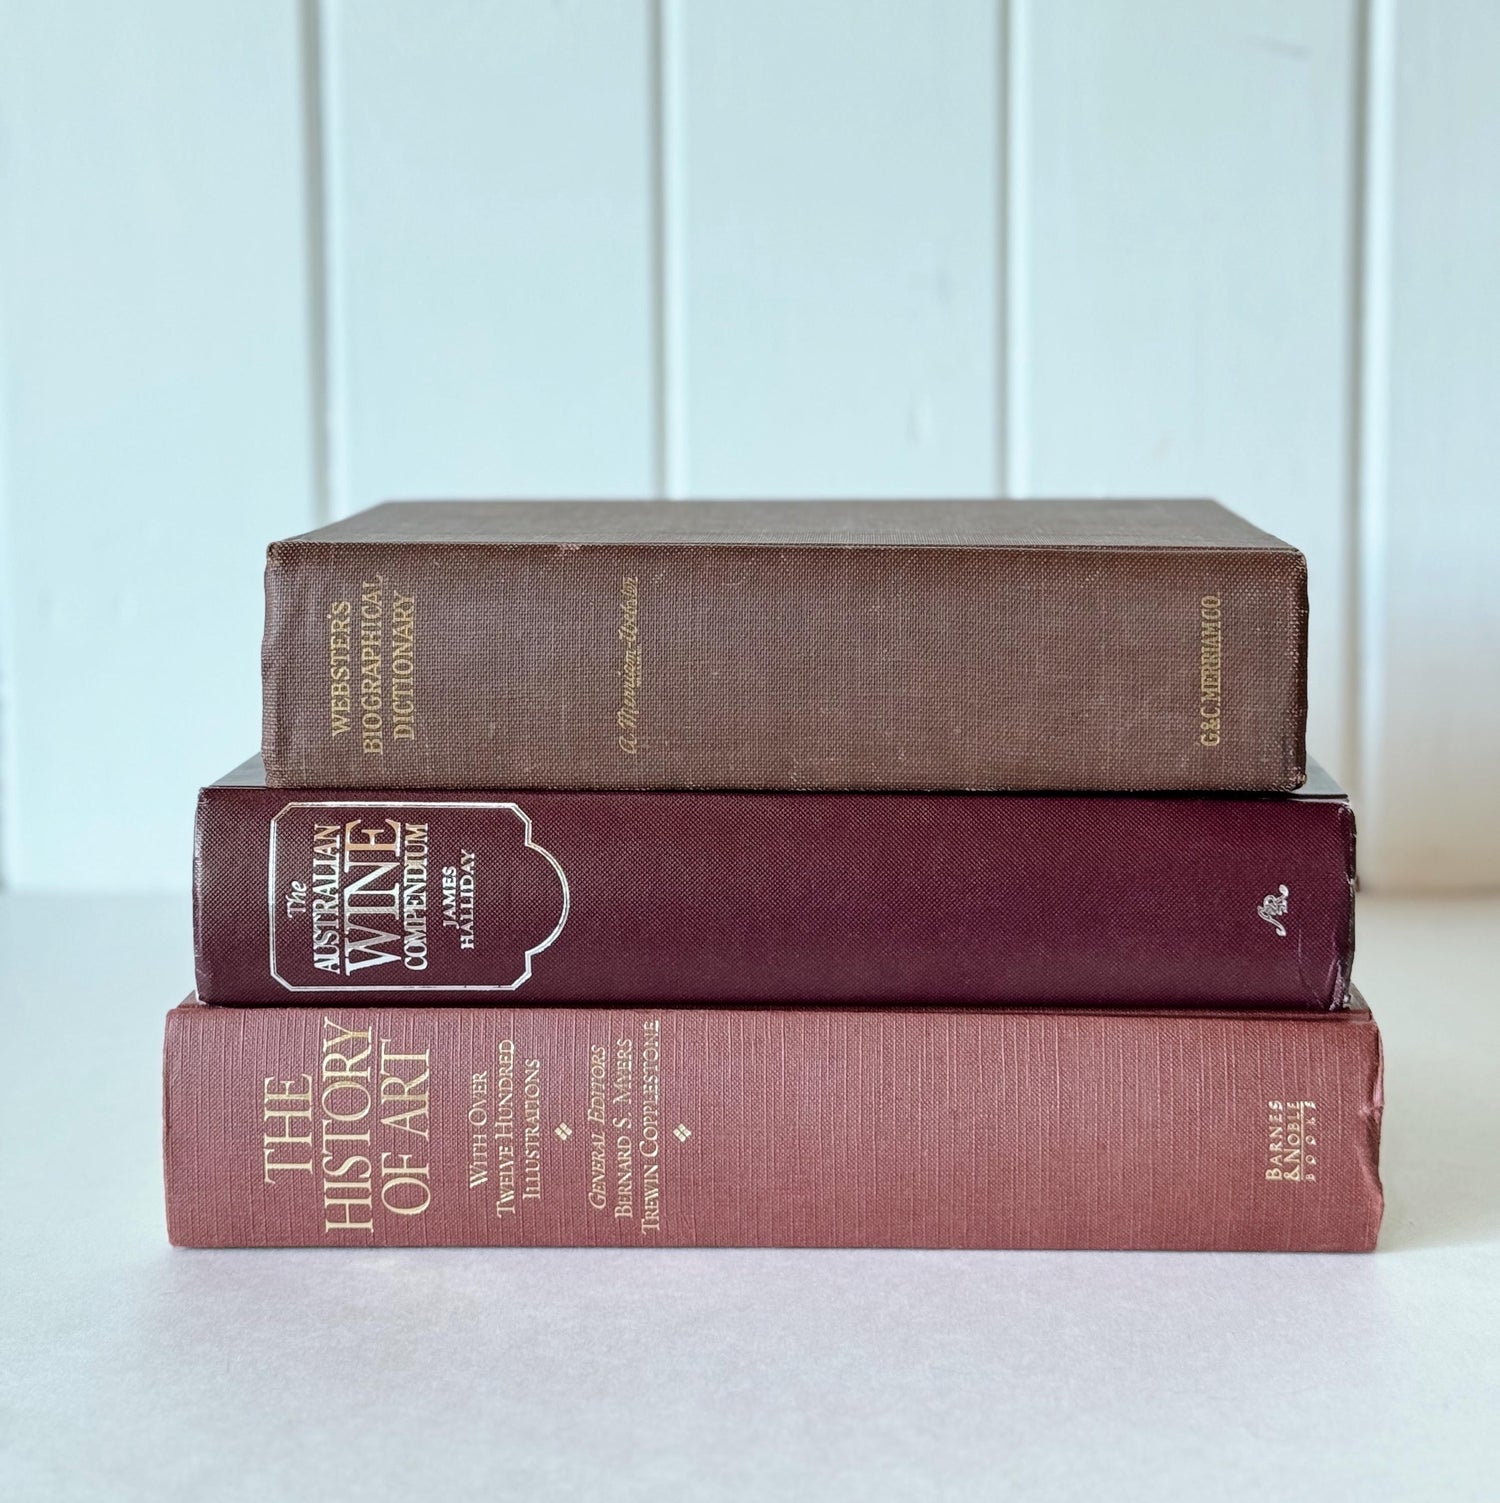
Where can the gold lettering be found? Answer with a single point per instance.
(404, 1186)
(403, 667)
(403, 1090)
(287, 1105)
(338, 619)
(628, 713)
(1291, 1139)
(1210, 670)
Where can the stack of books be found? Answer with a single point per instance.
(847, 874)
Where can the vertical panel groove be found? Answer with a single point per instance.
(1354, 416)
(1353, 411)
(1372, 377)
(656, 146)
(1002, 249)
(1014, 237)
(316, 208)
(666, 187)
(9, 856)
(333, 386)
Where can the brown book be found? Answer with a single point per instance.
(1113, 645)
(425, 1127)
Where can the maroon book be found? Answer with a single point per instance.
(680, 898)
(424, 1127)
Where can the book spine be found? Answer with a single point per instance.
(326, 897)
(757, 667)
(563, 1127)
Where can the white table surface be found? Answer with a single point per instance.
(129, 1370)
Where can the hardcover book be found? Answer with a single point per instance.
(1083, 645)
(333, 897)
(418, 1127)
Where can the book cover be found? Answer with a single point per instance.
(424, 1127)
(1087, 645)
(328, 897)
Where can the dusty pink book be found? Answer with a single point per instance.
(346, 1126)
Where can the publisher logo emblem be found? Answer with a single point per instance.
(1273, 908)
(1292, 1142)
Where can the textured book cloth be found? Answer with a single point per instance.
(1082, 645)
(805, 1128)
(1183, 900)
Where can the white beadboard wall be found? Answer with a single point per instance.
(265, 262)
